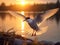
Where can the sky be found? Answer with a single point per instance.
(28, 1)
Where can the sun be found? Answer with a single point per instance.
(22, 2)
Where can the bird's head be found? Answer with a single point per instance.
(27, 18)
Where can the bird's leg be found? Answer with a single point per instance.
(34, 33)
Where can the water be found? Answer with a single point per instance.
(8, 21)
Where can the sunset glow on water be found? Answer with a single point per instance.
(22, 24)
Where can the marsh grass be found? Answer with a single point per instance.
(9, 38)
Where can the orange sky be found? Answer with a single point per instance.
(29, 1)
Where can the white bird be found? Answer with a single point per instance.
(38, 19)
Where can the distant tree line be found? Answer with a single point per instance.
(3, 7)
(34, 7)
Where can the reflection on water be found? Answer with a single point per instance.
(21, 27)
(2, 16)
(6, 21)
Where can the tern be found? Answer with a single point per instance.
(38, 19)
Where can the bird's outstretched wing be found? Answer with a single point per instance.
(40, 18)
(16, 14)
